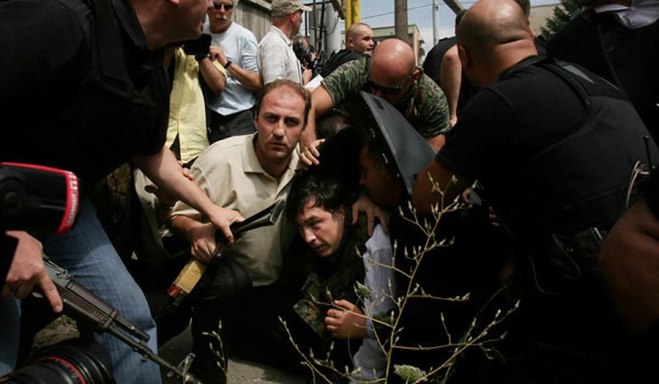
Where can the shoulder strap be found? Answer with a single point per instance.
(566, 72)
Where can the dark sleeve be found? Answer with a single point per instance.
(44, 48)
(486, 129)
(336, 60)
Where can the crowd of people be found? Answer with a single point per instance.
(510, 175)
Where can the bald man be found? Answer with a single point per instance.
(359, 42)
(392, 74)
(359, 38)
(553, 146)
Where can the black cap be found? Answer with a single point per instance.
(408, 152)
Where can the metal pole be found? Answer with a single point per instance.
(454, 5)
(400, 19)
(435, 22)
(356, 11)
(348, 23)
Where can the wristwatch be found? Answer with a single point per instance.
(228, 64)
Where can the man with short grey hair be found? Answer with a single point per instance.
(276, 48)
(235, 48)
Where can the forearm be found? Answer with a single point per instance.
(630, 265)
(450, 78)
(213, 75)
(321, 103)
(251, 80)
(425, 194)
(183, 226)
(164, 170)
(309, 132)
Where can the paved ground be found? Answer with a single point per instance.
(175, 350)
(240, 371)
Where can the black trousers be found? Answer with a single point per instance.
(244, 325)
(221, 127)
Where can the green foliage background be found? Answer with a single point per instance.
(563, 13)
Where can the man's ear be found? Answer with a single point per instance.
(349, 44)
(464, 56)
(416, 74)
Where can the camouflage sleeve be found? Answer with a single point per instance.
(434, 113)
(347, 79)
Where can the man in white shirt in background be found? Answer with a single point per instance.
(235, 49)
(278, 60)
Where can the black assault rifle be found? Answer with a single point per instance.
(83, 305)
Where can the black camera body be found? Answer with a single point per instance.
(69, 363)
(36, 199)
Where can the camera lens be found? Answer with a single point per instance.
(65, 364)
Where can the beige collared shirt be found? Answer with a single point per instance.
(229, 172)
(277, 58)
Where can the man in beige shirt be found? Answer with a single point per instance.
(247, 174)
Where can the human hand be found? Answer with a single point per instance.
(222, 218)
(372, 211)
(346, 321)
(309, 153)
(217, 53)
(203, 246)
(27, 270)
(453, 120)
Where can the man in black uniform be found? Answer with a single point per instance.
(83, 88)
(553, 146)
(618, 40)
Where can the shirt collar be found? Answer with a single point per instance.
(251, 162)
(640, 14)
(129, 22)
(282, 34)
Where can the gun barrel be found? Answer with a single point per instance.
(85, 305)
(144, 350)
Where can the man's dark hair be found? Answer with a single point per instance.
(296, 87)
(327, 191)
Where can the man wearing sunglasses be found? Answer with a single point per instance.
(392, 75)
(278, 60)
(235, 48)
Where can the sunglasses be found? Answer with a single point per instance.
(218, 6)
(389, 91)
